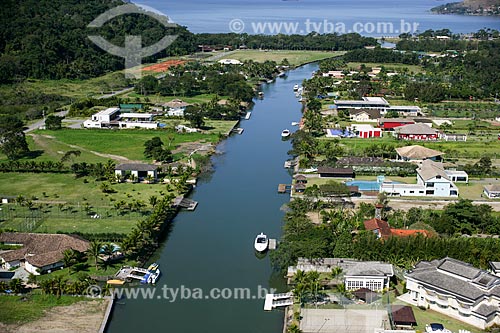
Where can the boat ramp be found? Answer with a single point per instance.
(277, 300)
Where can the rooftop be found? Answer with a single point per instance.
(417, 152)
(492, 187)
(380, 225)
(107, 112)
(403, 315)
(343, 171)
(372, 113)
(416, 129)
(136, 167)
(430, 169)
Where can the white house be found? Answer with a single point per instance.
(230, 62)
(137, 120)
(364, 115)
(492, 191)
(456, 289)
(373, 275)
(138, 171)
(432, 180)
(417, 154)
(112, 117)
(102, 118)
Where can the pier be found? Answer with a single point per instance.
(277, 300)
(283, 188)
(238, 130)
(185, 203)
(272, 244)
(129, 273)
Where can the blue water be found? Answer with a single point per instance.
(365, 185)
(216, 15)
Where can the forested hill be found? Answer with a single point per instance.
(470, 7)
(48, 38)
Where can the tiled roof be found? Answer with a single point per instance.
(415, 129)
(380, 225)
(136, 167)
(409, 232)
(417, 152)
(430, 169)
(403, 315)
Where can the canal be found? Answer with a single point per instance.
(212, 247)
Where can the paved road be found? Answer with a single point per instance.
(119, 92)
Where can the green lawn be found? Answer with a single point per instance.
(64, 198)
(390, 67)
(295, 58)
(198, 99)
(22, 309)
(125, 143)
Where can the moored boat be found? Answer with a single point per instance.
(261, 242)
(285, 133)
(296, 87)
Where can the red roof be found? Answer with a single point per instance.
(408, 232)
(381, 226)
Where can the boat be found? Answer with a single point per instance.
(153, 267)
(248, 115)
(285, 133)
(115, 282)
(294, 123)
(296, 87)
(436, 328)
(261, 242)
(282, 74)
(153, 277)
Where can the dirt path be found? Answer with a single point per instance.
(81, 317)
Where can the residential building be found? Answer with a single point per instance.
(417, 154)
(378, 103)
(419, 132)
(388, 124)
(230, 62)
(495, 268)
(432, 180)
(454, 137)
(328, 172)
(492, 191)
(365, 131)
(115, 118)
(425, 121)
(405, 111)
(456, 289)
(137, 171)
(458, 176)
(300, 179)
(334, 74)
(137, 120)
(39, 253)
(364, 115)
(373, 275)
(102, 119)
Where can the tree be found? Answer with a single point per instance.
(194, 114)
(94, 251)
(12, 139)
(53, 122)
(154, 149)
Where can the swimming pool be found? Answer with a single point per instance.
(365, 185)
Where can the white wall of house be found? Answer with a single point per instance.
(438, 187)
(404, 190)
(10, 264)
(36, 270)
(374, 283)
(491, 194)
(137, 124)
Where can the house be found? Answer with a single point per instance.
(492, 191)
(102, 119)
(185, 129)
(458, 176)
(230, 62)
(420, 132)
(328, 172)
(456, 289)
(379, 103)
(372, 275)
(424, 121)
(364, 115)
(454, 137)
(417, 154)
(432, 180)
(365, 131)
(402, 317)
(137, 120)
(388, 124)
(39, 253)
(138, 171)
(301, 179)
(405, 111)
(495, 268)
(334, 74)
(383, 231)
(299, 188)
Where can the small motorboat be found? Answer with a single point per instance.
(436, 328)
(261, 242)
(285, 133)
(294, 123)
(296, 87)
(153, 267)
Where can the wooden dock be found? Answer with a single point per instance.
(272, 244)
(283, 188)
(277, 300)
(185, 203)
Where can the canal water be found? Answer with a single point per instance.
(212, 247)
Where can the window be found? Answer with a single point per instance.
(412, 191)
(421, 192)
(453, 192)
(429, 192)
(429, 184)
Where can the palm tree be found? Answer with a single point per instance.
(94, 251)
(294, 328)
(16, 285)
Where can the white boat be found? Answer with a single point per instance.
(296, 87)
(436, 328)
(153, 267)
(294, 123)
(285, 133)
(261, 242)
(248, 115)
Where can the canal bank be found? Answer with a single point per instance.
(211, 249)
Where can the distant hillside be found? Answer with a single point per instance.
(470, 7)
(47, 39)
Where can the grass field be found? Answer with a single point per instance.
(198, 99)
(64, 200)
(22, 309)
(126, 143)
(295, 58)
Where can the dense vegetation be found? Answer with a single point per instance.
(334, 237)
